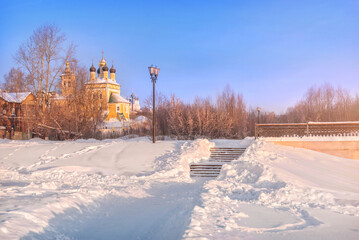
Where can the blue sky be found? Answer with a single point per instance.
(270, 51)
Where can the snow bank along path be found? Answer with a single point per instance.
(40, 180)
(276, 192)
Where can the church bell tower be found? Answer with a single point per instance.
(68, 81)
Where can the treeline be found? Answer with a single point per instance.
(226, 117)
(229, 117)
(324, 104)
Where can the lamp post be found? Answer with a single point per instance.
(154, 73)
(258, 110)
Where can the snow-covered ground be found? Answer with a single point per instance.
(134, 189)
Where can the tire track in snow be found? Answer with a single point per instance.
(46, 158)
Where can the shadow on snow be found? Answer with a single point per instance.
(164, 215)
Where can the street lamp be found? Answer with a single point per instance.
(258, 110)
(154, 73)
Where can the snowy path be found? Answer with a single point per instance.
(165, 214)
(38, 187)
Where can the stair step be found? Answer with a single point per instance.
(224, 156)
(209, 176)
(206, 167)
(222, 159)
(227, 152)
(223, 150)
(227, 149)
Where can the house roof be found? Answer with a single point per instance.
(116, 98)
(14, 97)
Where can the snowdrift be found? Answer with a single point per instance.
(276, 189)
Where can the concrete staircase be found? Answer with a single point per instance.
(218, 157)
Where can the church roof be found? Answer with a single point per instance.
(112, 70)
(92, 68)
(116, 98)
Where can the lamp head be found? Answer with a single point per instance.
(157, 70)
(151, 69)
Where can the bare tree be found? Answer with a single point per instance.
(79, 114)
(15, 81)
(225, 118)
(43, 58)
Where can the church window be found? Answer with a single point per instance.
(100, 95)
(118, 108)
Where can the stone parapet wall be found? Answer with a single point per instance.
(345, 149)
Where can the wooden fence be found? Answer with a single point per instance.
(307, 129)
